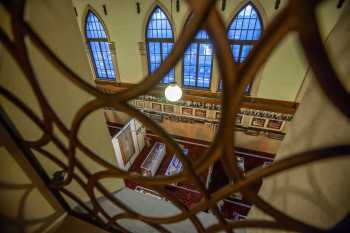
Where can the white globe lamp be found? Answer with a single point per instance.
(173, 92)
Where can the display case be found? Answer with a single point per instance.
(128, 143)
(153, 160)
(175, 165)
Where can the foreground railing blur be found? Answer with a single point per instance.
(204, 13)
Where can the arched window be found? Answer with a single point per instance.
(243, 32)
(98, 44)
(160, 41)
(197, 62)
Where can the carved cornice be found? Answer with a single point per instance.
(215, 107)
(207, 97)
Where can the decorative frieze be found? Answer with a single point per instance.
(251, 121)
(209, 106)
(266, 114)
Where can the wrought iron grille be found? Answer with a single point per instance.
(235, 78)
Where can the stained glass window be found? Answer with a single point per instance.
(98, 44)
(160, 41)
(197, 62)
(244, 31)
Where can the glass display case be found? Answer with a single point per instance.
(175, 165)
(153, 160)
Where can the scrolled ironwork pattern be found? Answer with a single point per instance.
(235, 78)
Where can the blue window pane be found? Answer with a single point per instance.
(201, 59)
(105, 61)
(257, 26)
(99, 47)
(245, 51)
(250, 34)
(197, 61)
(192, 81)
(239, 23)
(187, 59)
(243, 32)
(158, 52)
(256, 35)
(201, 34)
(243, 35)
(245, 24)
(158, 25)
(166, 48)
(156, 47)
(153, 67)
(235, 51)
(97, 57)
(160, 40)
(150, 32)
(237, 34)
(245, 29)
(93, 27)
(247, 18)
(205, 53)
(252, 23)
(157, 58)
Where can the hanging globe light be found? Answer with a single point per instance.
(173, 92)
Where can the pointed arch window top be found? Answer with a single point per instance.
(243, 33)
(246, 24)
(202, 35)
(99, 48)
(158, 25)
(93, 27)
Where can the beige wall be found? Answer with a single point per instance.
(55, 23)
(316, 193)
(26, 205)
(277, 79)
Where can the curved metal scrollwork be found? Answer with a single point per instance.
(235, 78)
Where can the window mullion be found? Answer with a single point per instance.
(240, 52)
(161, 57)
(159, 36)
(95, 34)
(197, 63)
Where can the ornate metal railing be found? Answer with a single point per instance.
(235, 78)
